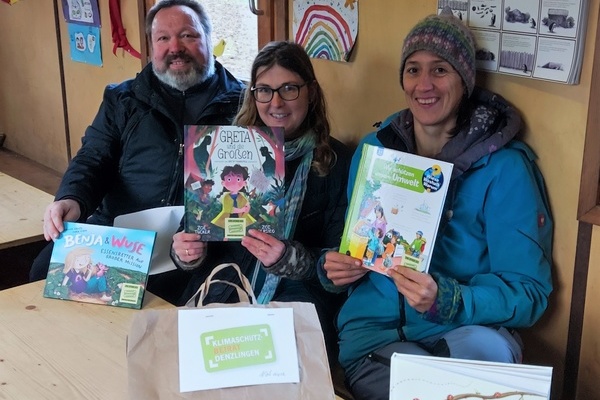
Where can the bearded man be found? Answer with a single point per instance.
(131, 158)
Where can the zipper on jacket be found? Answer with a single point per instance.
(180, 149)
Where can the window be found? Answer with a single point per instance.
(238, 33)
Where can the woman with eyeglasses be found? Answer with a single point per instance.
(284, 93)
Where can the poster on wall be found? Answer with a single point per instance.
(84, 12)
(539, 39)
(85, 44)
(10, 1)
(326, 29)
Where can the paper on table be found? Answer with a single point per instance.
(426, 377)
(241, 346)
(164, 221)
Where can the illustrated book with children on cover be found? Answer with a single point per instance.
(395, 209)
(100, 264)
(233, 181)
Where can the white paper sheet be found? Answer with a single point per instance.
(425, 377)
(164, 221)
(238, 346)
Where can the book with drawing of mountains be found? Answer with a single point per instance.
(395, 209)
(233, 180)
(100, 264)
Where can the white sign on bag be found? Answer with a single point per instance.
(238, 346)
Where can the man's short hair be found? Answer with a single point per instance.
(193, 4)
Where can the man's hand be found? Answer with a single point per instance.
(57, 213)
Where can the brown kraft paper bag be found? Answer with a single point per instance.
(153, 353)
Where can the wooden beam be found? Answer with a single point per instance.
(578, 291)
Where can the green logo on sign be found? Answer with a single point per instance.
(237, 347)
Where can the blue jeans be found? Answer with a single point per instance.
(371, 380)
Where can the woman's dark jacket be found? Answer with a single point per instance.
(320, 227)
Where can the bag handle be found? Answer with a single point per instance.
(245, 292)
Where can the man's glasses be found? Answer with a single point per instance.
(264, 94)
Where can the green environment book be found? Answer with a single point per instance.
(100, 264)
(395, 209)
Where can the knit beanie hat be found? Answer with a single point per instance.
(446, 36)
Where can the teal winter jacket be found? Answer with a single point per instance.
(493, 254)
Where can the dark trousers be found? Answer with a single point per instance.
(39, 268)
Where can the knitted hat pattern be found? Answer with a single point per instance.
(446, 36)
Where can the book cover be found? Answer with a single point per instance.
(395, 209)
(100, 264)
(426, 377)
(233, 181)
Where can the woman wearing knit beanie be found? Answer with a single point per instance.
(490, 270)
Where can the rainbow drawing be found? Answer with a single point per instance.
(325, 31)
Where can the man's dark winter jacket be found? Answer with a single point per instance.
(131, 157)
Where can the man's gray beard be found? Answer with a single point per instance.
(186, 80)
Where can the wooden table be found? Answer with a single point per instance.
(21, 212)
(58, 349)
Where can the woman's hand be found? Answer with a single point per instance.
(263, 246)
(342, 269)
(188, 246)
(419, 289)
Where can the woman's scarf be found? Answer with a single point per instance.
(302, 146)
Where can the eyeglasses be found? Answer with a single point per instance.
(288, 92)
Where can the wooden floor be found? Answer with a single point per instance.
(15, 262)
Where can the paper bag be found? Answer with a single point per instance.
(153, 364)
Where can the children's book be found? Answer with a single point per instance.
(395, 209)
(233, 181)
(100, 264)
(427, 377)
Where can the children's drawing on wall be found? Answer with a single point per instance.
(85, 44)
(326, 29)
(83, 12)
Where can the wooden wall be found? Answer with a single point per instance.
(359, 93)
(31, 95)
(31, 107)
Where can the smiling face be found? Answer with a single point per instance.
(433, 91)
(181, 54)
(289, 114)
